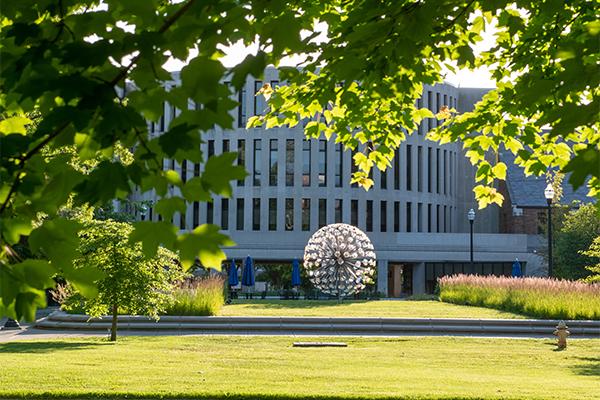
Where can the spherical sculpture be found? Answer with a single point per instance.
(340, 259)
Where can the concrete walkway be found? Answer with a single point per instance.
(61, 325)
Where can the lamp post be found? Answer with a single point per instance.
(471, 217)
(549, 195)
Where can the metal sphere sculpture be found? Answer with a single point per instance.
(340, 259)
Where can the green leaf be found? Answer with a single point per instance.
(152, 235)
(169, 206)
(16, 124)
(200, 78)
(194, 190)
(220, 171)
(12, 229)
(499, 170)
(35, 273)
(205, 243)
(56, 239)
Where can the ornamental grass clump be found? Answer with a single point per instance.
(203, 296)
(537, 297)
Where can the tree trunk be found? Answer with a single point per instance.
(113, 329)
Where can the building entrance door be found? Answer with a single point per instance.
(400, 277)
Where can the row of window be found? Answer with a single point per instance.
(428, 161)
(435, 101)
(418, 217)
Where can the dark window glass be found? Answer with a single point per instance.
(428, 217)
(209, 213)
(445, 219)
(408, 167)
(383, 216)
(305, 214)
(338, 211)
(211, 148)
(289, 162)
(257, 161)
(272, 214)
(437, 219)
(259, 102)
(438, 170)
(430, 107)
(182, 221)
(195, 214)
(322, 212)
(239, 215)
(306, 163)
(420, 217)
(184, 171)
(353, 167)
(241, 160)
(339, 165)
(397, 170)
(409, 217)
(369, 216)
(225, 145)
(383, 176)
(256, 214)
(445, 166)
(322, 163)
(196, 169)
(242, 108)
(225, 214)
(429, 169)
(273, 162)
(396, 216)
(289, 214)
(420, 168)
(354, 212)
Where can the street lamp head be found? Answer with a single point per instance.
(549, 193)
(471, 215)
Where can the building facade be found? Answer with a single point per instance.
(415, 214)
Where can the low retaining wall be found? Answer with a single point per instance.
(323, 326)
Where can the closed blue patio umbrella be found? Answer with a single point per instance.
(295, 273)
(248, 276)
(516, 269)
(233, 274)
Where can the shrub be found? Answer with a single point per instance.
(536, 297)
(198, 296)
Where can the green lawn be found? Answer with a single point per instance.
(250, 367)
(378, 308)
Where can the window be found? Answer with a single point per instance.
(242, 108)
(354, 212)
(353, 167)
(445, 166)
(429, 169)
(259, 99)
(383, 216)
(420, 217)
(272, 214)
(225, 146)
(256, 214)
(289, 162)
(305, 214)
(339, 165)
(306, 163)
(241, 160)
(438, 170)
(225, 214)
(419, 106)
(445, 219)
(397, 170)
(195, 214)
(408, 167)
(428, 217)
(437, 107)
(409, 217)
(239, 215)
(184, 171)
(420, 168)
(322, 212)
(289, 214)
(274, 84)
(445, 102)
(322, 163)
(383, 179)
(273, 162)
(211, 148)
(437, 219)
(182, 221)
(196, 169)
(209, 212)
(430, 107)
(338, 211)
(396, 216)
(369, 216)
(257, 161)
(451, 171)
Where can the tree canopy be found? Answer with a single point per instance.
(74, 63)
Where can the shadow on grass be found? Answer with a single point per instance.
(590, 367)
(46, 347)
(220, 396)
(296, 304)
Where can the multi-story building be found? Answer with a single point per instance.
(415, 215)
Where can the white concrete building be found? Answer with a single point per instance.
(415, 214)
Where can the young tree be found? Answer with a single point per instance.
(594, 253)
(579, 229)
(132, 283)
(95, 73)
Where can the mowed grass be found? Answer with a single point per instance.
(377, 308)
(254, 367)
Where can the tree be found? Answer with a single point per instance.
(594, 253)
(132, 283)
(577, 232)
(95, 75)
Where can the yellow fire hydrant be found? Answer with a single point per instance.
(562, 333)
